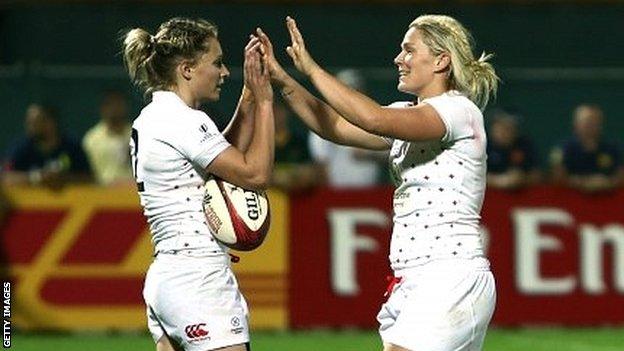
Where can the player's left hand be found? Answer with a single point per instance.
(297, 50)
(276, 71)
(255, 73)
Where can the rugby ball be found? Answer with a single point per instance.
(237, 217)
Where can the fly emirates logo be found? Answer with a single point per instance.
(532, 242)
(593, 264)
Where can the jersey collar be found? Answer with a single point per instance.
(167, 96)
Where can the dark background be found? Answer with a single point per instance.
(550, 56)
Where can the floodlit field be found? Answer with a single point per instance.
(607, 339)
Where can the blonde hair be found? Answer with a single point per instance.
(474, 77)
(151, 60)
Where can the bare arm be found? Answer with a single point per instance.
(11, 178)
(316, 114)
(55, 180)
(594, 183)
(514, 178)
(240, 129)
(591, 183)
(417, 123)
(252, 168)
(324, 120)
(299, 177)
(511, 179)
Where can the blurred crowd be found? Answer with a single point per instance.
(585, 160)
(47, 156)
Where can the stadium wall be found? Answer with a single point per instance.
(550, 56)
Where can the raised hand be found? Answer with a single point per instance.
(297, 50)
(276, 71)
(256, 72)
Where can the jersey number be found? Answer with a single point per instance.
(135, 156)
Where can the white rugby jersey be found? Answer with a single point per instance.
(440, 187)
(171, 146)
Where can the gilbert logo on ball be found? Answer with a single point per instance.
(237, 217)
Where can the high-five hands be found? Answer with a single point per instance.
(256, 72)
(297, 50)
(275, 69)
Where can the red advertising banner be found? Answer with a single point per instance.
(338, 256)
(558, 256)
(77, 260)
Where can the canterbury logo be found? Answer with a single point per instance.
(194, 331)
(207, 198)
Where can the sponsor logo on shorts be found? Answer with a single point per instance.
(196, 332)
(236, 323)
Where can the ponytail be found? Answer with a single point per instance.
(483, 81)
(138, 51)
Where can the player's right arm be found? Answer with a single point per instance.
(316, 114)
(240, 129)
(252, 168)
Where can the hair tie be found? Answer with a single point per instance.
(152, 42)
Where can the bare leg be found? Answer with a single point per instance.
(164, 344)
(392, 347)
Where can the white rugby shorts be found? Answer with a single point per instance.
(196, 302)
(440, 306)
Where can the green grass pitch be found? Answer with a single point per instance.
(530, 339)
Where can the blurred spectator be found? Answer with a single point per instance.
(586, 161)
(45, 156)
(346, 166)
(107, 143)
(511, 162)
(294, 169)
